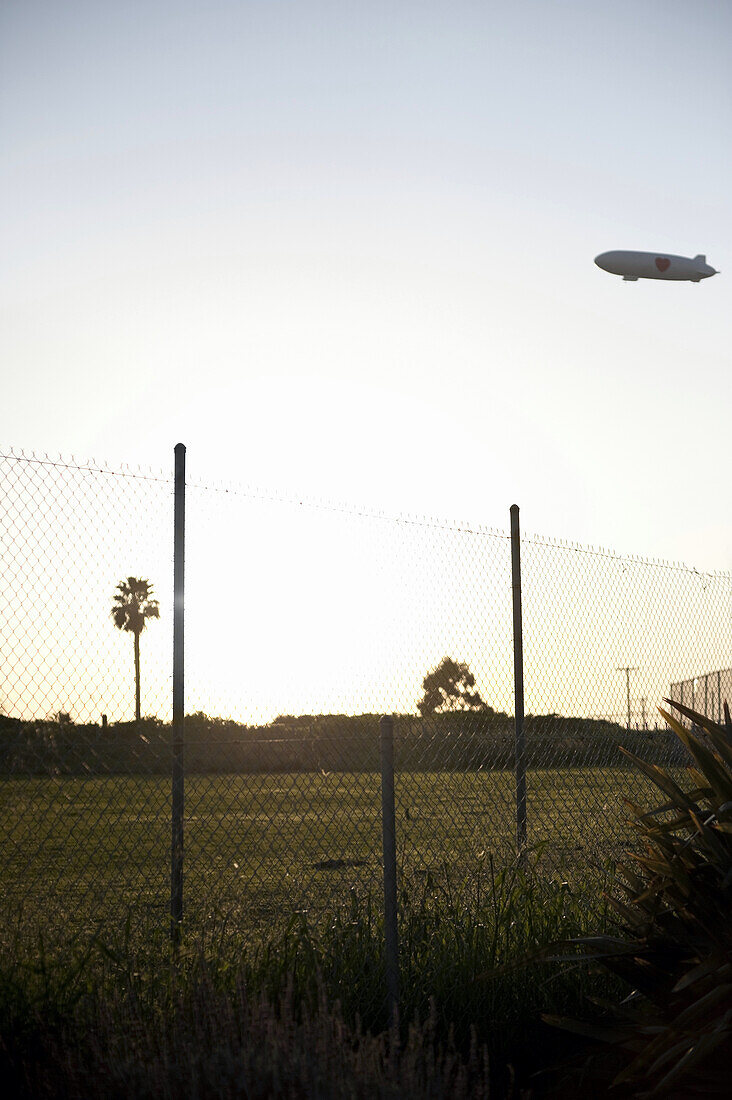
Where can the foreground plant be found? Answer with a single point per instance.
(673, 1033)
(238, 1048)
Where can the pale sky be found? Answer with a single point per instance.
(346, 249)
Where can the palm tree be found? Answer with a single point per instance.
(133, 606)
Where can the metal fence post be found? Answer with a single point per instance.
(388, 822)
(518, 685)
(176, 848)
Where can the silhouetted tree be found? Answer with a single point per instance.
(451, 686)
(133, 606)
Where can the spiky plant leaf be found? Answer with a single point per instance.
(674, 910)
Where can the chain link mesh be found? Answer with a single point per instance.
(84, 802)
(304, 623)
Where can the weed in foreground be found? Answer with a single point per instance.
(238, 1046)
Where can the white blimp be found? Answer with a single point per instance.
(655, 265)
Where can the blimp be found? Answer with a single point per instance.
(655, 265)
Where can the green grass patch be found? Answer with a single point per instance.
(83, 852)
(283, 907)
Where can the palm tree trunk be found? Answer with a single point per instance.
(137, 676)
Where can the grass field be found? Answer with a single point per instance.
(78, 853)
(85, 856)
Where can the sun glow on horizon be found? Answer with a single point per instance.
(298, 608)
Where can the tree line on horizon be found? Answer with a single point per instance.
(449, 741)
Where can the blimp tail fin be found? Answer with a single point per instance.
(700, 259)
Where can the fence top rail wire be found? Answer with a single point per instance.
(274, 496)
(90, 465)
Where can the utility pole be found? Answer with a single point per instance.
(627, 670)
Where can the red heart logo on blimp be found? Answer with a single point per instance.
(662, 263)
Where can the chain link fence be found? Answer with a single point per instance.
(304, 623)
(84, 803)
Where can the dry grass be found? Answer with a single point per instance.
(208, 1043)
